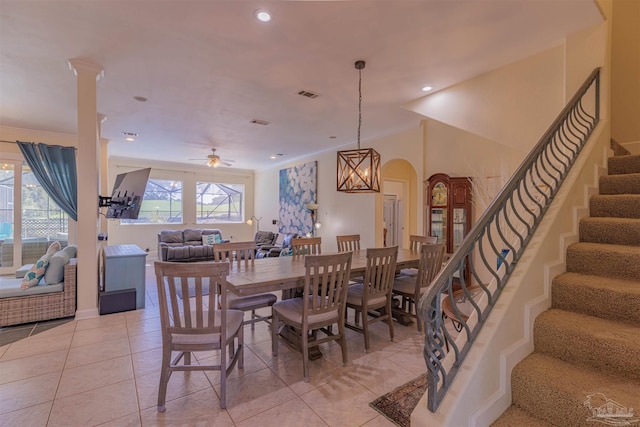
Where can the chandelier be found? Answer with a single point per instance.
(359, 170)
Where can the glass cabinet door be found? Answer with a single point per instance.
(439, 224)
(459, 226)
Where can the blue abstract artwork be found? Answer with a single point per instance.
(297, 189)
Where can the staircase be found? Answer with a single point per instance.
(587, 345)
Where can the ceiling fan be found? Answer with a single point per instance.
(213, 160)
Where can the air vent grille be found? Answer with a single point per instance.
(308, 94)
(259, 122)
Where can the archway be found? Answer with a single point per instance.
(401, 173)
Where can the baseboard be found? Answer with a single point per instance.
(87, 314)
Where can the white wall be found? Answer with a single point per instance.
(513, 105)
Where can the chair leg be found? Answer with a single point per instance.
(390, 319)
(253, 316)
(223, 376)
(241, 348)
(343, 343)
(305, 355)
(274, 334)
(365, 330)
(164, 379)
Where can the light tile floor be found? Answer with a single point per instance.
(105, 371)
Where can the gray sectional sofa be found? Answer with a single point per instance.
(186, 245)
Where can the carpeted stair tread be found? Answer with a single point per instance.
(618, 149)
(556, 391)
(623, 164)
(590, 341)
(616, 206)
(615, 231)
(620, 184)
(604, 297)
(518, 417)
(619, 261)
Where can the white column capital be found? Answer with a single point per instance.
(85, 66)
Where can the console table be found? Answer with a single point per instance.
(124, 268)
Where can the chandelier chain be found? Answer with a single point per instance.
(359, 104)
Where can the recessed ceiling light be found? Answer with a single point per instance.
(275, 156)
(332, 137)
(263, 15)
(140, 98)
(427, 88)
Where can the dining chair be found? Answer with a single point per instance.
(411, 288)
(321, 305)
(243, 254)
(306, 246)
(374, 293)
(199, 323)
(348, 242)
(415, 243)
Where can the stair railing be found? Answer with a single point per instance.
(490, 251)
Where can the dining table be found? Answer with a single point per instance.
(287, 273)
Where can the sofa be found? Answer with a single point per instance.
(187, 245)
(32, 249)
(43, 301)
(277, 249)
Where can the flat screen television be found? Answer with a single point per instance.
(127, 194)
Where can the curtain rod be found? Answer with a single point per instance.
(52, 145)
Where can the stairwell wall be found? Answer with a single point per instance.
(481, 389)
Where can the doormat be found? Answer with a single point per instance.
(397, 405)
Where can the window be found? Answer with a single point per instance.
(41, 216)
(216, 202)
(161, 204)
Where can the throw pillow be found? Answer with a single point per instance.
(53, 248)
(55, 271)
(71, 250)
(33, 276)
(209, 239)
(216, 238)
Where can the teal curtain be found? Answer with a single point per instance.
(54, 167)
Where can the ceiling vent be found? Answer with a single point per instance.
(308, 94)
(259, 122)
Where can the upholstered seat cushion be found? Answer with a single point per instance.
(10, 287)
(406, 285)
(291, 310)
(234, 322)
(250, 302)
(354, 296)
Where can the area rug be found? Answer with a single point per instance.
(398, 404)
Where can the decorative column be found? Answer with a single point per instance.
(88, 162)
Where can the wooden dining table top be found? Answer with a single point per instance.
(288, 272)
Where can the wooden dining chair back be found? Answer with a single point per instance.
(321, 305)
(242, 255)
(306, 246)
(416, 242)
(374, 293)
(411, 288)
(236, 253)
(200, 322)
(348, 243)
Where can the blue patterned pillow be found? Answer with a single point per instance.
(33, 276)
(208, 239)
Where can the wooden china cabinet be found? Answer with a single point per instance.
(448, 209)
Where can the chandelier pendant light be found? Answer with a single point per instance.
(359, 170)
